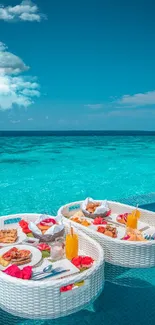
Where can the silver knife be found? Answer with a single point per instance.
(49, 275)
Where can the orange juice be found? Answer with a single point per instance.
(71, 246)
(132, 219)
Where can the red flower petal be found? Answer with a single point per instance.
(27, 272)
(77, 261)
(87, 261)
(24, 225)
(14, 271)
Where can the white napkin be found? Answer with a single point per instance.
(52, 230)
(99, 210)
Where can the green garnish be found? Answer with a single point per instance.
(30, 235)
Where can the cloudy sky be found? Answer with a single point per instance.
(86, 64)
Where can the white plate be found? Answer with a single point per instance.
(35, 257)
(20, 238)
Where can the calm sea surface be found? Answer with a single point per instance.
(40, 173)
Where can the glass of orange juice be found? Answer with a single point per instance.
(132, 219)
(71, 245)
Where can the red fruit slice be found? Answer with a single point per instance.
(43, 247)
(99, 221)
(101, 230)
(48, 222)
(108, 213)
(122, 217)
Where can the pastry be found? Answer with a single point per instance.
(108, 230)
(8, 236)
(83, 222)
(16, 256)
(91, 206)
(8, 255)
(24, 261)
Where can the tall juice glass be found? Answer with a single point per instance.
(132, 219)
(71, 245)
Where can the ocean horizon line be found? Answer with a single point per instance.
(75, 132)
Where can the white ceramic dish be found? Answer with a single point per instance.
(20, 238)
(36, 255)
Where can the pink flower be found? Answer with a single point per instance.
(14, 270)
(82, 261)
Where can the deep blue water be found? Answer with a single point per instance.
(39, 173)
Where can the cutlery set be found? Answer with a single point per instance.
(48, 272)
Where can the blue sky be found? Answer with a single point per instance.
(77, 65)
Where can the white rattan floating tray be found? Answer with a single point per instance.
(43, 299)
(119, 252)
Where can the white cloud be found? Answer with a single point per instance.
(30, 92)
(136, 100)
(126, 102)
(25, 11)
(30, 17)
(10, 63)
(140, 113)
(94, 106)
(30, 119)
(2, 47)
(14, 88)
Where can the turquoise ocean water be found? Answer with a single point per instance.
(40, 173)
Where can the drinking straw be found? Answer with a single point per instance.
(72, 231)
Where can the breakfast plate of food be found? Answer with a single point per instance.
(11, 236)
(101, 225)
(19, 255)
